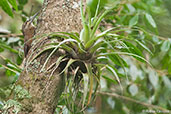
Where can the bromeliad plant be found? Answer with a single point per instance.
(88, 55)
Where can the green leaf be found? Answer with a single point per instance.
(166, 81)
(5, 6)
(95, 6)
(155, 39)
(14, 4)
(165, 46)
(116, 59)
(68, 65)
(133, 49)
(96, 46)
(22, 2)
(1, 49)
(14, 67)
(169, 53)
(11, 64)
(98, 22)
(86, 81)
(85, 34)
(125, 53)
(143, 46)
(55, 48)
(90, 74)
(133, 89)
(72, 35)
(131, 8)
(150, 20)
(107, 31)
(133, 21)
(92, 6)
(169, 68)
(112, 70)
(2, 95)
(9, 70)
(109, 79)
(9, 48)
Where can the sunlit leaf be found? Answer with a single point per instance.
(14, 4)
(96, 46)
(105, 32)
(165, 46)
(8, 48)
(5, 6)
(155, 39)
(109, 79)
(166, 81)
(98, 22)
(10, 69)
(71, 35)
(111, 69)
(150, 20)
(12, 40)
(131, 8)
(133, 21)
(94, 6)
(55, 48)
(15, 66)
(145, 47)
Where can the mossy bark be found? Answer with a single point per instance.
(45, 89)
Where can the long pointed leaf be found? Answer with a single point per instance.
(90, 74)
(115, 74)
(142, 45)
(9, 61)
(86, 81)
(68, 65)
(56, 47)
(13, 70)
(125, 53)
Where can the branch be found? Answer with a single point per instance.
(159, 37)
(132, 100)
(10, 35)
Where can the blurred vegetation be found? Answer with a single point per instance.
(145, 87)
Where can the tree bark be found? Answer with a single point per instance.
(45, 88)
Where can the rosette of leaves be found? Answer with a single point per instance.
(88, 55)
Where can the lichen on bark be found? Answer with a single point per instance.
(55, 16)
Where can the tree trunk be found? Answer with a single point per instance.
(45, 88)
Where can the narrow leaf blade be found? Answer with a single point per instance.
(5, 6)
(14, 4)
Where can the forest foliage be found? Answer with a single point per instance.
(130, 41)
